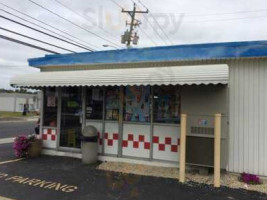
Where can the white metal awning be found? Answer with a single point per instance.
(174, 75)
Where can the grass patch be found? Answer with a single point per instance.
(4, 114)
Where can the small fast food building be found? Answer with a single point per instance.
(135, 97)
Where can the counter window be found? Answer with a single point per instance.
(112, 103)
(137, 103)
(166, 104)
(94, 103)
(50, 107)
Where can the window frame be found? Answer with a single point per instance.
(177, 89)
(44, 107)
(148, 121)
(105, 105)
(102, 92)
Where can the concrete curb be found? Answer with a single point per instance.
(7, 140)
(19, 121)
(4, 198)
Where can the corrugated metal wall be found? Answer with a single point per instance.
(248, 116)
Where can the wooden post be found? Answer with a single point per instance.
(182, 148)
(217, 150)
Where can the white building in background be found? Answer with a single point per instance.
(14, 102)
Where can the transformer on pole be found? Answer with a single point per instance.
(130, 36)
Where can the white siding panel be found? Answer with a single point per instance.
(7, 104)
(248, 120)
(261, 119)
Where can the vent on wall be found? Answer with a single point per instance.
(199, 151)
(202, 130)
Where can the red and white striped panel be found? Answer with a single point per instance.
(49, 137)
(111, 138)
(136, 140)
(98, 126)
(166, 143)
(100, 139)
(111, 142)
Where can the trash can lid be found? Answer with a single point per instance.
(89, 131)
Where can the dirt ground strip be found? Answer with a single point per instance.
(227, 180)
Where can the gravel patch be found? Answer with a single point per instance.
(227, 180)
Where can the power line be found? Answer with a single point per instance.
(73, 23)
(157, 22)
(226, 13)
(72, 10)
(229, 19)
(128, 37)
(143, 31)
(156, 31)
(10, 31)
(80, 45)
(140, 27)
(27, 44)
(116, 4)
(42, 22)
(6, 18)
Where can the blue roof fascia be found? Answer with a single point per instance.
(157, 54)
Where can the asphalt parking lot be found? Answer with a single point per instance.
(60, 178)
(13, 129)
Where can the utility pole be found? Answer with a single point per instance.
(129, 36)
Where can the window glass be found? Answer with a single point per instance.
(137, 104)
(94, 103)
(112, 103)
(50, 107)
(71, 117)
(167, 104)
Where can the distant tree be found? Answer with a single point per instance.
(20, 90)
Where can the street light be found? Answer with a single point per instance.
(107, 45)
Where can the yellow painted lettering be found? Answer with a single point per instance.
(21, 180)
(69, 189)
(60, 187)
(32, 181)
(50, 186)
(13, 178)
(3, 175)
(56, 186)
(42, 183)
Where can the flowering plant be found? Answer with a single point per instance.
(21, 146)
(250, 179)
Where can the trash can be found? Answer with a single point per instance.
(89, 146)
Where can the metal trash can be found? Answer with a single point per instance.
(89, 146)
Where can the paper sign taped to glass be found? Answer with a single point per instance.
(51, 101)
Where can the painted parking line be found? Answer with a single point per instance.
(4, 198)
(7, 140)
(11, 161)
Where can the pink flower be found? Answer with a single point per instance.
(21, 146)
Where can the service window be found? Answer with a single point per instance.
(112, 103)
(137, 104)
(50, 107)
(166, 104)
(94, 103)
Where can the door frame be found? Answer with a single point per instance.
(59, 115)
